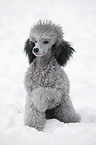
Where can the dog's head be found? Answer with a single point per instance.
(47, 37)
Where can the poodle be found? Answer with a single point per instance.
(46, 83)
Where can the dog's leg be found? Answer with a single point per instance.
(65, 112)
(33, 117)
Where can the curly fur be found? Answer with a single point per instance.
(46, 83)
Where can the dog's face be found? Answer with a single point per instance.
(47, 37)
(44, 35)
(41, 45)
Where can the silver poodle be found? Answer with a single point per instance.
(46, 83)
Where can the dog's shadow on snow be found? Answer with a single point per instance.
(88, 115)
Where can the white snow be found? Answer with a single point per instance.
(78, 19)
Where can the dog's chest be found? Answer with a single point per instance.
(44, 77)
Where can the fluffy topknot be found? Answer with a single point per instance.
(47, 29)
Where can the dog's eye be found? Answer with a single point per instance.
(46, 42)
(35, 41)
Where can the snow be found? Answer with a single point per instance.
(78, 19)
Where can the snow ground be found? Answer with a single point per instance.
(78, 19)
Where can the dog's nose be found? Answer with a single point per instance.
(36, 50)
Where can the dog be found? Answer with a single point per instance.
(46, 83)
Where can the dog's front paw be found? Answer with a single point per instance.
(39, 99)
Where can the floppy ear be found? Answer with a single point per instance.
(28, 49)
(62, 52)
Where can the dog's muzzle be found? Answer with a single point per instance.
(36, 52)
